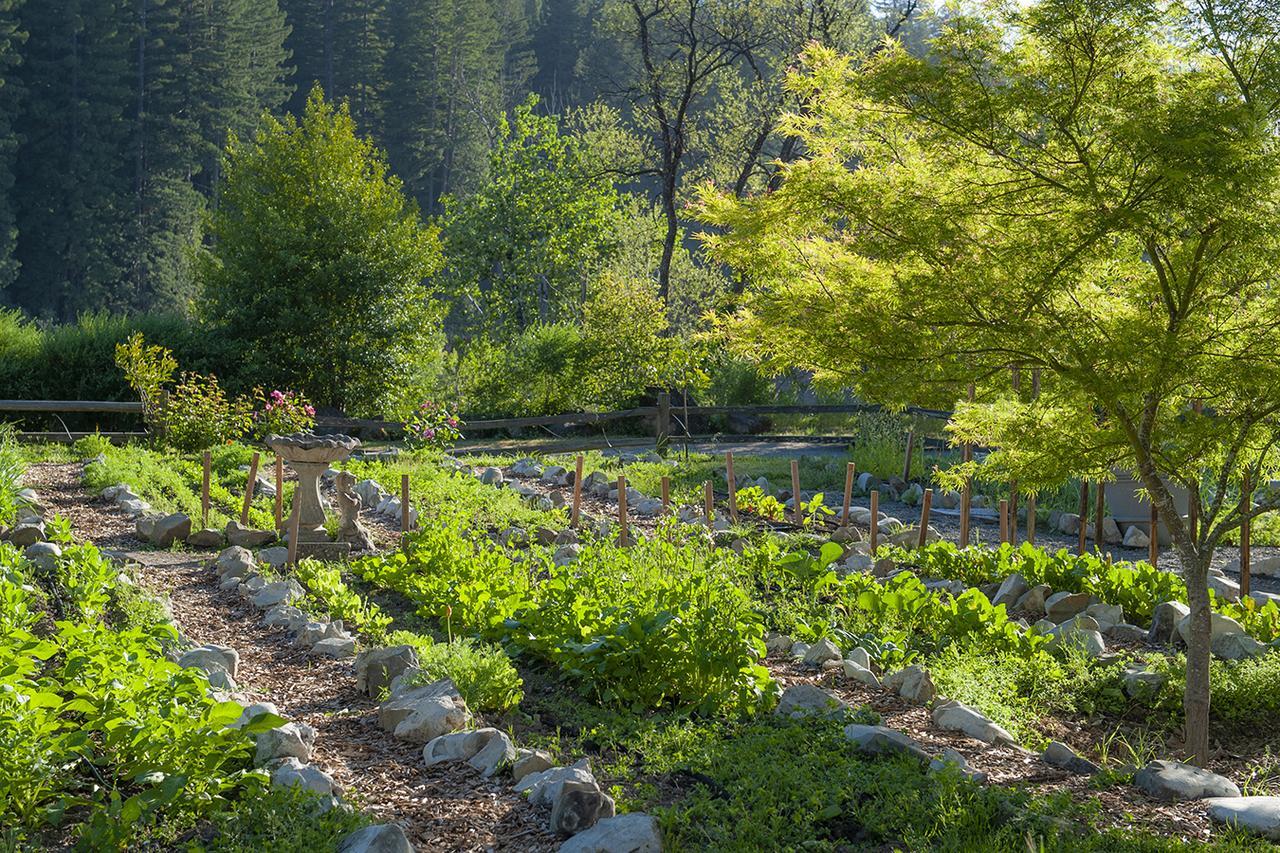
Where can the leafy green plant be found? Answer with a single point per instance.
(327, 592)
(281, 413)
(482, 672)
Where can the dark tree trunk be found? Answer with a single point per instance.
(1195, 699)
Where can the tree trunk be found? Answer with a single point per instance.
(669, 240)
(1195, 699)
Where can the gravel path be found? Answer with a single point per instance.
(446, 807)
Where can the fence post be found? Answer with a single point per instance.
(666, 495)
(848, 494)
(1084, 514)
(796, 507)
(279, 493)
(1004, 521)
(204, 491)
(662, 423)
(708, 502)
(248, 489)
(926, 503)
(295, 521)
(906, 462)
(874, 537)
(575, 513)
(623, 538)
(1031, 519)
(733, 485)
(966, 494)
(404, 504)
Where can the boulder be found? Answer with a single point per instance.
(881, 740)
(1256, 815)
(1069, 524)
(247, 537)
(1219, 625)
(234, 562)
(1126, 633)
(275, 556)
(628, 833)
(776, 644)
(379, 838)
(44, 554)
(952, 759)
(376, 668)
(335, 647)
(1237, 647)
(860, 673)
(1165, 620)
(292, 740)
(821, 652)
(253, 711)
(529, 761)
(1106, 615)
(1011, 591)
(419, 714)
(491, 476)
(544, 788)
(170, 529)
(370, 493)
(484, 749)
(801, 700)
(580, 806)
(1033, 600)
(211, 658)
(310, 633)
(1135, 537)
(1224, 587)
(1061, 606)
(911, 683)
(860, 656)
(206, 539)
(292, 773)
(1174, 781)
(26, 534)
(958, 717)
(1059, 755)
(277, 592)
(1111, 531)
(134, 507)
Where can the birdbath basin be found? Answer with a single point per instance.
(310, 456)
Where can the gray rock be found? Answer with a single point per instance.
(376, 668)
(26, 534)
(1126, 633)
(1256, 815)
(952, 759)
(580, 806)
(275, 556)
(210, 658)
(958, 717)
(134, 507)
(234, 562)
(860, 656)
(247, 537)
(1088, 639)
(292, 773)
(1174, 781)
(800, 700)
(628, 833)
(484, 749)
(1135, 537)
(278, 592)
(379, 838)
(43, 554)
(205, 539)
(776, 644)
(1033, 600)
(1106, 615)
(491, 476)
(911, 683)
(1219, 625)
(1069, 523)
(335, 647)
(1061, 606)
(145, 526)
(858, 672)
(310, 633)
(292, 740)
(544, 788)
(1237, 647)
(170, 529)
(821, 652)
(1140, 682)
(529, 761)
(250, 712)
(1059, 755)
(1011, 591)
(1164, 622)
(420, 714)
(881, 740)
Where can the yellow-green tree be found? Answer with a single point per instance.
(1084, 187)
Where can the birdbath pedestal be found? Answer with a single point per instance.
(310, 456)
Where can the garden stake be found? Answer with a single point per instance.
(1004, 521)
(404, 504)
(204, 491)
(875, 521)
(1245, 502)
(1013, 511)
(294, 521)
(709, 501)
(848, 493)
(577, 493)
(1154, 552)
(666, 495)
(796, 502)
(248, 490)
(1031, 519)
(1083, 513)
(622, 509)
(966, 494)
(926, 503)
(1098, 504)
(733, 485)
(911, 446)
(279, 493)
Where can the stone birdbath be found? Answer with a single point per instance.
(310, 456)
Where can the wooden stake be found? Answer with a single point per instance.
(204, 490)
(966, 494)
(1083, 513)
(1099, 503)
(404, 503)
(1245, 506)
(576, 512)
(248, 489)
(709, 501)
(848, 493)
(666, 495)
(279, 493)
(926, 504)
(622, 509)
(733, 485)
(1154, 552)
(1031, 519)
(1013, 511)
(906, 462)
(797, 508)
(295, 520)
(875, 521)
(1004, 521)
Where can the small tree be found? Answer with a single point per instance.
(522, 246)
(1089, 189)
(317, 262)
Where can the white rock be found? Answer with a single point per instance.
(422, 713)
(211, 657)
(290, 773)
(860, 656)
(234, 562)
(278, 592)
(1258, 815)
(821, 652)
(1135, 537)
(958, 717)
(1218, 625)
(628, 833)
(858, 672)
(544, 788)
(292, 740)
(379, 838)
(881, 740)
(1174, 781)
(911, 683)
(335, 647)
(950, 758)
(802, 699)
(250, 712)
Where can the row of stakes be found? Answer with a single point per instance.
(1007, 514)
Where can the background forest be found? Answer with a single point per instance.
(554, 145)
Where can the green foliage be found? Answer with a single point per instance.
(326, 593)
(288, 820)
(481, 671)
(312, 232)
(281, 413)
(147, 369)
(434, 425)
(10, 475)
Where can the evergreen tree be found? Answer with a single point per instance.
(341, 45)
(12, 37)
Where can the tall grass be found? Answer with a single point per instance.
(10, 474)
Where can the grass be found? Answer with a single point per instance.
(482, 672)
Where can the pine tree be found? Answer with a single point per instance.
(341, 45)
(12, 37)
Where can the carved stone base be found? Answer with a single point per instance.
(323, 550)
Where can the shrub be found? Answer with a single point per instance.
(482, 672)
(281, 413)
(433, 424)
(10, 475)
